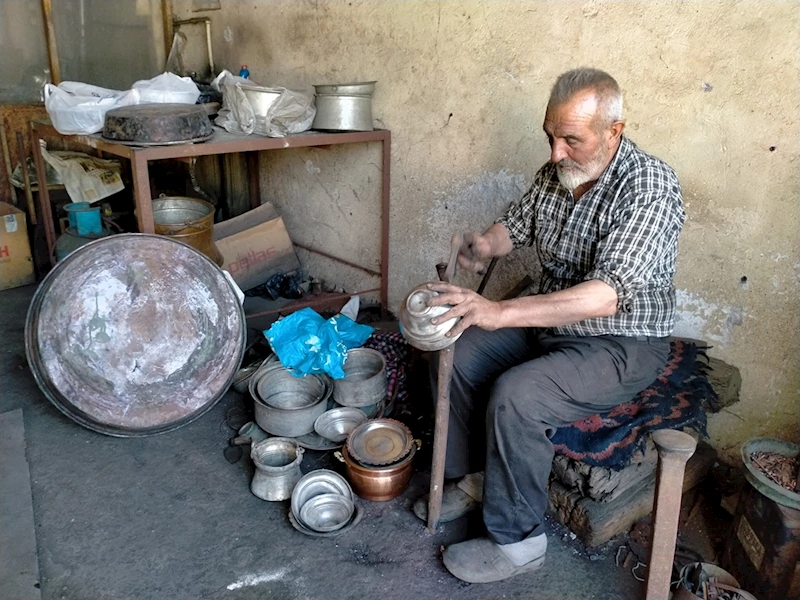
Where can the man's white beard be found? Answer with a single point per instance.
(571, 174)
(571, 177)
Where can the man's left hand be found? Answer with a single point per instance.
(473, 308)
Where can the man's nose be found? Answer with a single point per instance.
(558, 151)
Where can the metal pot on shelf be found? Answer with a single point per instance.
(344, 107)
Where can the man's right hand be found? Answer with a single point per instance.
(475, 250)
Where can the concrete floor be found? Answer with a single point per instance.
(169, 517)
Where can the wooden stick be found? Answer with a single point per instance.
(440, 437)
(50, 39)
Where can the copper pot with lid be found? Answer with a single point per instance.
(379, 483)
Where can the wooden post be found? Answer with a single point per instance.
(167, 16)
(50, 39)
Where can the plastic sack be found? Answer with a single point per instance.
(291, 112)
(87, 178)
(76, 107)
(306, 343)
(167, 88)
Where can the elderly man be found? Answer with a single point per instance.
(605, 218)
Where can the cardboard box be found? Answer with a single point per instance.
(255, 246)
(16, 264)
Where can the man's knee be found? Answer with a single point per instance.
(515, 396)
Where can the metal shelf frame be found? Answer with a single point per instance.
(221, 142)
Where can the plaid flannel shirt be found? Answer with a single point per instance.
(623, 231)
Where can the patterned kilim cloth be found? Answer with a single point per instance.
(397, 352)
(676, 400)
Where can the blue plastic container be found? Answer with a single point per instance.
(84, 218)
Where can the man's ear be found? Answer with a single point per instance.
(616, 129)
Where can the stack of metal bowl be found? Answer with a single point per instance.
(378, 459)
(286, 405)
(323, 504)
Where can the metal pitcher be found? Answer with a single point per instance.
(277, 462)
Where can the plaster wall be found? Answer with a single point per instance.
(709, 86)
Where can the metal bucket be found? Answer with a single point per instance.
(187, 220)
(277, 462)
(345, 107)
(134, 334)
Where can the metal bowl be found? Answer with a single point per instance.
(315, 483)
(336, 424)
(326, 512)
(357, 514)
(260, 98)
(364, 382)
(242, 378)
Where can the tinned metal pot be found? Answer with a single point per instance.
(286, 405)
(379, 483)
(277, 462)
(187, 220)
(415, 321)
(364, 382)
(344, 107)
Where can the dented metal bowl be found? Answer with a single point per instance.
(415, 321)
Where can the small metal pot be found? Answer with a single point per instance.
(286, 405)
(380, 483)
(277, 462)
(415, 321)
(345, 107)
(364, 382)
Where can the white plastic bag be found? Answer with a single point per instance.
(76, 107)
(167, 87)
(291, 112)
(87, 178)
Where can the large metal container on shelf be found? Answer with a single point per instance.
(345, 107)
(187, 220)
(134, 334)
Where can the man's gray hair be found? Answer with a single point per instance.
(605, 87)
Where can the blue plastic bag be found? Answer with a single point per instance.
(306, 343)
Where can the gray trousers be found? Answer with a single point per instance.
(511, 389)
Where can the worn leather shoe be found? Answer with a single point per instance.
(482, 561)
(455, 503)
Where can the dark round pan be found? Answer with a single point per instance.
(135, 334)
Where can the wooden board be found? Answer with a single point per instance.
(597, 522)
